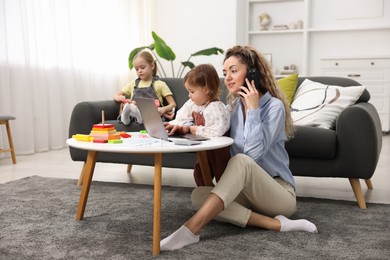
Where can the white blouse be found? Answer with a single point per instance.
(216, 117)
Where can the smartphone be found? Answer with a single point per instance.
(254, 75)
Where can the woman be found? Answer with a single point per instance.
(257, 187)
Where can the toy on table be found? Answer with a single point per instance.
(115, 141)
(143, 134)
(83, 138)
(103, 133)
(124, 134)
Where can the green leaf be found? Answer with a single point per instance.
(132, 54)
(188, 64)
(151, 47)
(135, 51)
(208, 52)
(162, 49)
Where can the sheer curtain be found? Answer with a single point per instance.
(56, 53)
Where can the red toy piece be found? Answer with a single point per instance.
(125, 135)
(103, 126)
(101, 141)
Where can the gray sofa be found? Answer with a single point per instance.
(351, 150)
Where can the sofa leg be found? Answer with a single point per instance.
(357, 189)
(129, 166)
(80, 181)
(369, 184)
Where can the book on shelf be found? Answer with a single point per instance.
(280, 27)
(287, 72)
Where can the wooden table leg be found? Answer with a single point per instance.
(205, 168)
(81, 177)
(88, 169)
(157, 203)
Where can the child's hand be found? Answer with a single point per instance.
(193, 129)
(169, 115)
(161, 110)
(123, 99)
(171, 129)
(185, 129)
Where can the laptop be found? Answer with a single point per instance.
(155, 126)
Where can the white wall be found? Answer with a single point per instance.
(188, 26)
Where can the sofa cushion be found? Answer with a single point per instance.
(312, 142)
(289, 85)
(318, 104)
(338, 81)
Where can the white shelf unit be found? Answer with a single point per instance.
(287, 47)
(330, 28)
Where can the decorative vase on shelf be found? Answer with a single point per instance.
(264, 20)
(299, 24)
(288, 70)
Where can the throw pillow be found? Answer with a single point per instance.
(289, 85)
(319, 105)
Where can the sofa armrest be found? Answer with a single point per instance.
(359, 139)
(86, 114)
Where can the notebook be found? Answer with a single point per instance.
(155, 126)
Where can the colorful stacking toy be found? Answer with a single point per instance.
(102, 133)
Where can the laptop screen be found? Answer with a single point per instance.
(151, 117)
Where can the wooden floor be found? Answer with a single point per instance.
(58, 164)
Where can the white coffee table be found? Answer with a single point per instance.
(158, 148)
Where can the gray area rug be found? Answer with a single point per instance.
(38, 221)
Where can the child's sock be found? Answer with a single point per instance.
(179, 239)
(125, 117)
(135, 113)
(296, 225)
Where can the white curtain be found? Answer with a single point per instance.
(56, 53)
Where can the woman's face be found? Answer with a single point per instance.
(235, 73)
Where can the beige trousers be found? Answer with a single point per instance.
(245, 187)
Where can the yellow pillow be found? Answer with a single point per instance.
(289, 85)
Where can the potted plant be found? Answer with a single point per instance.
(160, 49)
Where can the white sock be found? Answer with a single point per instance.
(135, 113)
(179, 239)
(296, 225)
(125, 117)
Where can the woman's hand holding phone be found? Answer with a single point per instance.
(250, 94)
